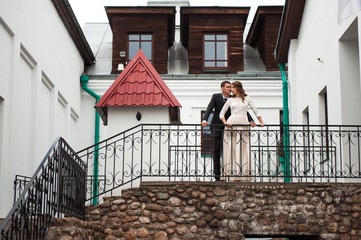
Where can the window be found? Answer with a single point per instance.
(215, 51)
(323, 107)
(140, 41)
(325, 140)
(308, 150)
(306, 117)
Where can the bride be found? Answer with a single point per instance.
(236, 160)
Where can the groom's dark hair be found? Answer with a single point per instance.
(224, 83)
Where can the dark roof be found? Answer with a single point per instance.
(258, 22)
(71, 23)
(111, 11)
(148, 10)
(289, 28)
(138, 85)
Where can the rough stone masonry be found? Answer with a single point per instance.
(221, 210)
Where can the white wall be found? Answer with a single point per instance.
(123, 118)
(38, 61)
(323, 58)
(326, 59)
(86, 129)
(41, 97)
(350, 77)
(6, 74)
(194, 95)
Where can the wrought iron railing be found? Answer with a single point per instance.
(57, 186)
(19, 185)
(294, 153)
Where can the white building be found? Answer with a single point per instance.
(323, 56)
(42, 56)
(322, 49)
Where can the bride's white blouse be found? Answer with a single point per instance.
(238, 107)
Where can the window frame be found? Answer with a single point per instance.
(215, 51)
(140, 41)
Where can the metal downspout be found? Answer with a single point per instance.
(84, 79)
(285, 161)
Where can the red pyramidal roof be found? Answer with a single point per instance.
(138, 85)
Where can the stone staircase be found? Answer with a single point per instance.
(221, 210)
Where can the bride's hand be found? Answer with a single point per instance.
(229, 124)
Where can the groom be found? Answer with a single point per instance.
(217, 127)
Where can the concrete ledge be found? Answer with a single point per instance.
(240, 184)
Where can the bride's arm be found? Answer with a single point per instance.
(260, 121)
(223, 112)
(255, 110)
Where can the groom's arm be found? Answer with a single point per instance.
(210, 108)
(250, 120)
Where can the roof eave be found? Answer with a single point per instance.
(289, 28)
(215, 10)
(253, 35)
(103, 112)
(71, 23)
(112, 11)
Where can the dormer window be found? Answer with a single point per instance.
(215, 51)
(140, 41)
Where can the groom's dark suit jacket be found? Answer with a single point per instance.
(217, 103)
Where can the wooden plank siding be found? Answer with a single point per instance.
(197, 21)
(272, 24)
(264, 32)
(149, 21)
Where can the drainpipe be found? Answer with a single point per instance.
(285, 161)
(84, 79)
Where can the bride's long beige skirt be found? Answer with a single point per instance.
(236, 160)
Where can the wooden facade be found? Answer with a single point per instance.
(264, 32)
(196, 21)
(158, 21)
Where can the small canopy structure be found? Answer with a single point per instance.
(138, 85)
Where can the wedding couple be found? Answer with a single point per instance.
(231, 110)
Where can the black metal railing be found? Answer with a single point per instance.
(58, 186)
(19, 185)
(294, 153)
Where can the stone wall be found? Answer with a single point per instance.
(73, 228)
(207, 210)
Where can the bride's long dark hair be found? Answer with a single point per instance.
(238, 85)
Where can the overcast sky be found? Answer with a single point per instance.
(93, 10)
